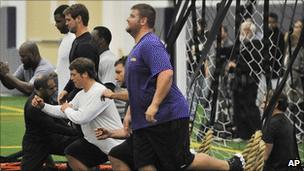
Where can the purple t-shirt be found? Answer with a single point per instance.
(148, 58)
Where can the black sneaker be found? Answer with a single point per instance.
(236, 163)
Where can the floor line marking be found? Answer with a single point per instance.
(10, 147)
(11, 114)
(15, 109)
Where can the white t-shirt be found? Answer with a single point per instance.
(63, 62)
(106, 69)
(91, 112)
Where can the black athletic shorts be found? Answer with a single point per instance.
(87, 153)
(165, 146)
(124, 152)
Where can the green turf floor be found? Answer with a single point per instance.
(12, 125)
(12, 128)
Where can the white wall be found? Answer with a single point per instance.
(115, 14)
(21, 19)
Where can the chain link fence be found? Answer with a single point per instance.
(214, 93)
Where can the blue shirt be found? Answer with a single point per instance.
(147, 59)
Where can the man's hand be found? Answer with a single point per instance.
(102, 133)
(65, 105)
(62, 97)
(107, 93)
(231, 64)
(151, 112)
(38, 102)
(4, 69)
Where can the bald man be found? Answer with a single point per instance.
(32, 66)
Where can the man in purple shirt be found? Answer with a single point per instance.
(159, 112)
(154, 98)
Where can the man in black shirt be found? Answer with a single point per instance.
(245, 83)
(277, 46)
(44, 135)
(279, 138)
(77, 18)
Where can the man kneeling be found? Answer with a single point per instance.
(90, 111)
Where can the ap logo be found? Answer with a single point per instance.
(294, 163)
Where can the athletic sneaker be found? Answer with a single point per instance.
(236, 163)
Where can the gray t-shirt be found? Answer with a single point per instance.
(30, 75)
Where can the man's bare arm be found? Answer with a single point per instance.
(121, 95)
(10, 81)
(102, 133)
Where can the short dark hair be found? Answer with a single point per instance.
(282, 100)
(82, 65)
(42, 80)
(121, 60)
(274, 16)
(78, 10)
(105, 33)
(148, 11)
(59, 10)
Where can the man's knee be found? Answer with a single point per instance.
(72, 159)
(75, 164)
(112, 158)
(115, 160)
(148, 168)
(118, 164)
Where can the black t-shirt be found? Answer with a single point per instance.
(279, 132)
(82, 47)
(250, 59)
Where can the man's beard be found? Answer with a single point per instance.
(64, 30)
(28, 65)
(128, 30)
(132, 32)
(73, 30)
(31, 64)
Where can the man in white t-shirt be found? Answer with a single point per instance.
(88, 110)
(101, 39)
(63, 62)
